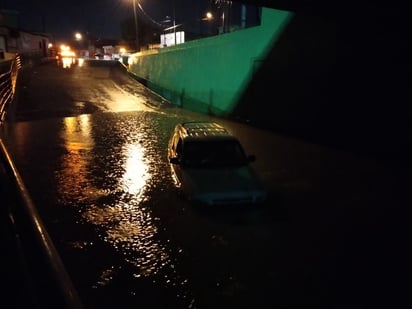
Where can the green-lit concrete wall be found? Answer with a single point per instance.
(210, 75)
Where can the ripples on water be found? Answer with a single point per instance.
(110, 170)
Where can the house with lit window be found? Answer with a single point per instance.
(31, 45)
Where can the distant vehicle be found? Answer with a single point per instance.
(66, 54)
(66, 58)
(210, 166)
(99, 56)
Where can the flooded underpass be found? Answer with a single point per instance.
(90, 143)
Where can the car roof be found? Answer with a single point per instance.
(204, 130)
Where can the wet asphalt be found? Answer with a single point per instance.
(90, 144)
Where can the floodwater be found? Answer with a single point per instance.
(92, 151)
(90, 144)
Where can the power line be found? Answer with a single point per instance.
(149, 17)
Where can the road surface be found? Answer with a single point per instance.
(90, 144)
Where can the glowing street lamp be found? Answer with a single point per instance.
(208, 16)
(78, 36)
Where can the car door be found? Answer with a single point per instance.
(175, 151)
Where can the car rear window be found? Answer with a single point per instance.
(213, 153)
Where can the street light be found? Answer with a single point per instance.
(208, 16)
(78, 36)
(135, 23)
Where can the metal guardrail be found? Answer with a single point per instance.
(8, 81)
(32, 271)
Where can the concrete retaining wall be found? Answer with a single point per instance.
(210, 75)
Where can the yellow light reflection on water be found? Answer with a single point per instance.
(116, 203)
(78, 140)
(77, 131)
(109, 185)
(67, 62)
(136, 170)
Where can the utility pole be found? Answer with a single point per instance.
(135, 24)
(174, 21)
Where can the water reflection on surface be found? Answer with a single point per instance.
(67, 62)
(78, 142)
(108, 176)
(136, 173)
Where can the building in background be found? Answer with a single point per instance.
(27, 44)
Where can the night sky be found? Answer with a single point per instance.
(100, 18)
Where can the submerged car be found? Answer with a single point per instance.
(211, 167)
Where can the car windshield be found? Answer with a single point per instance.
(213, 154)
